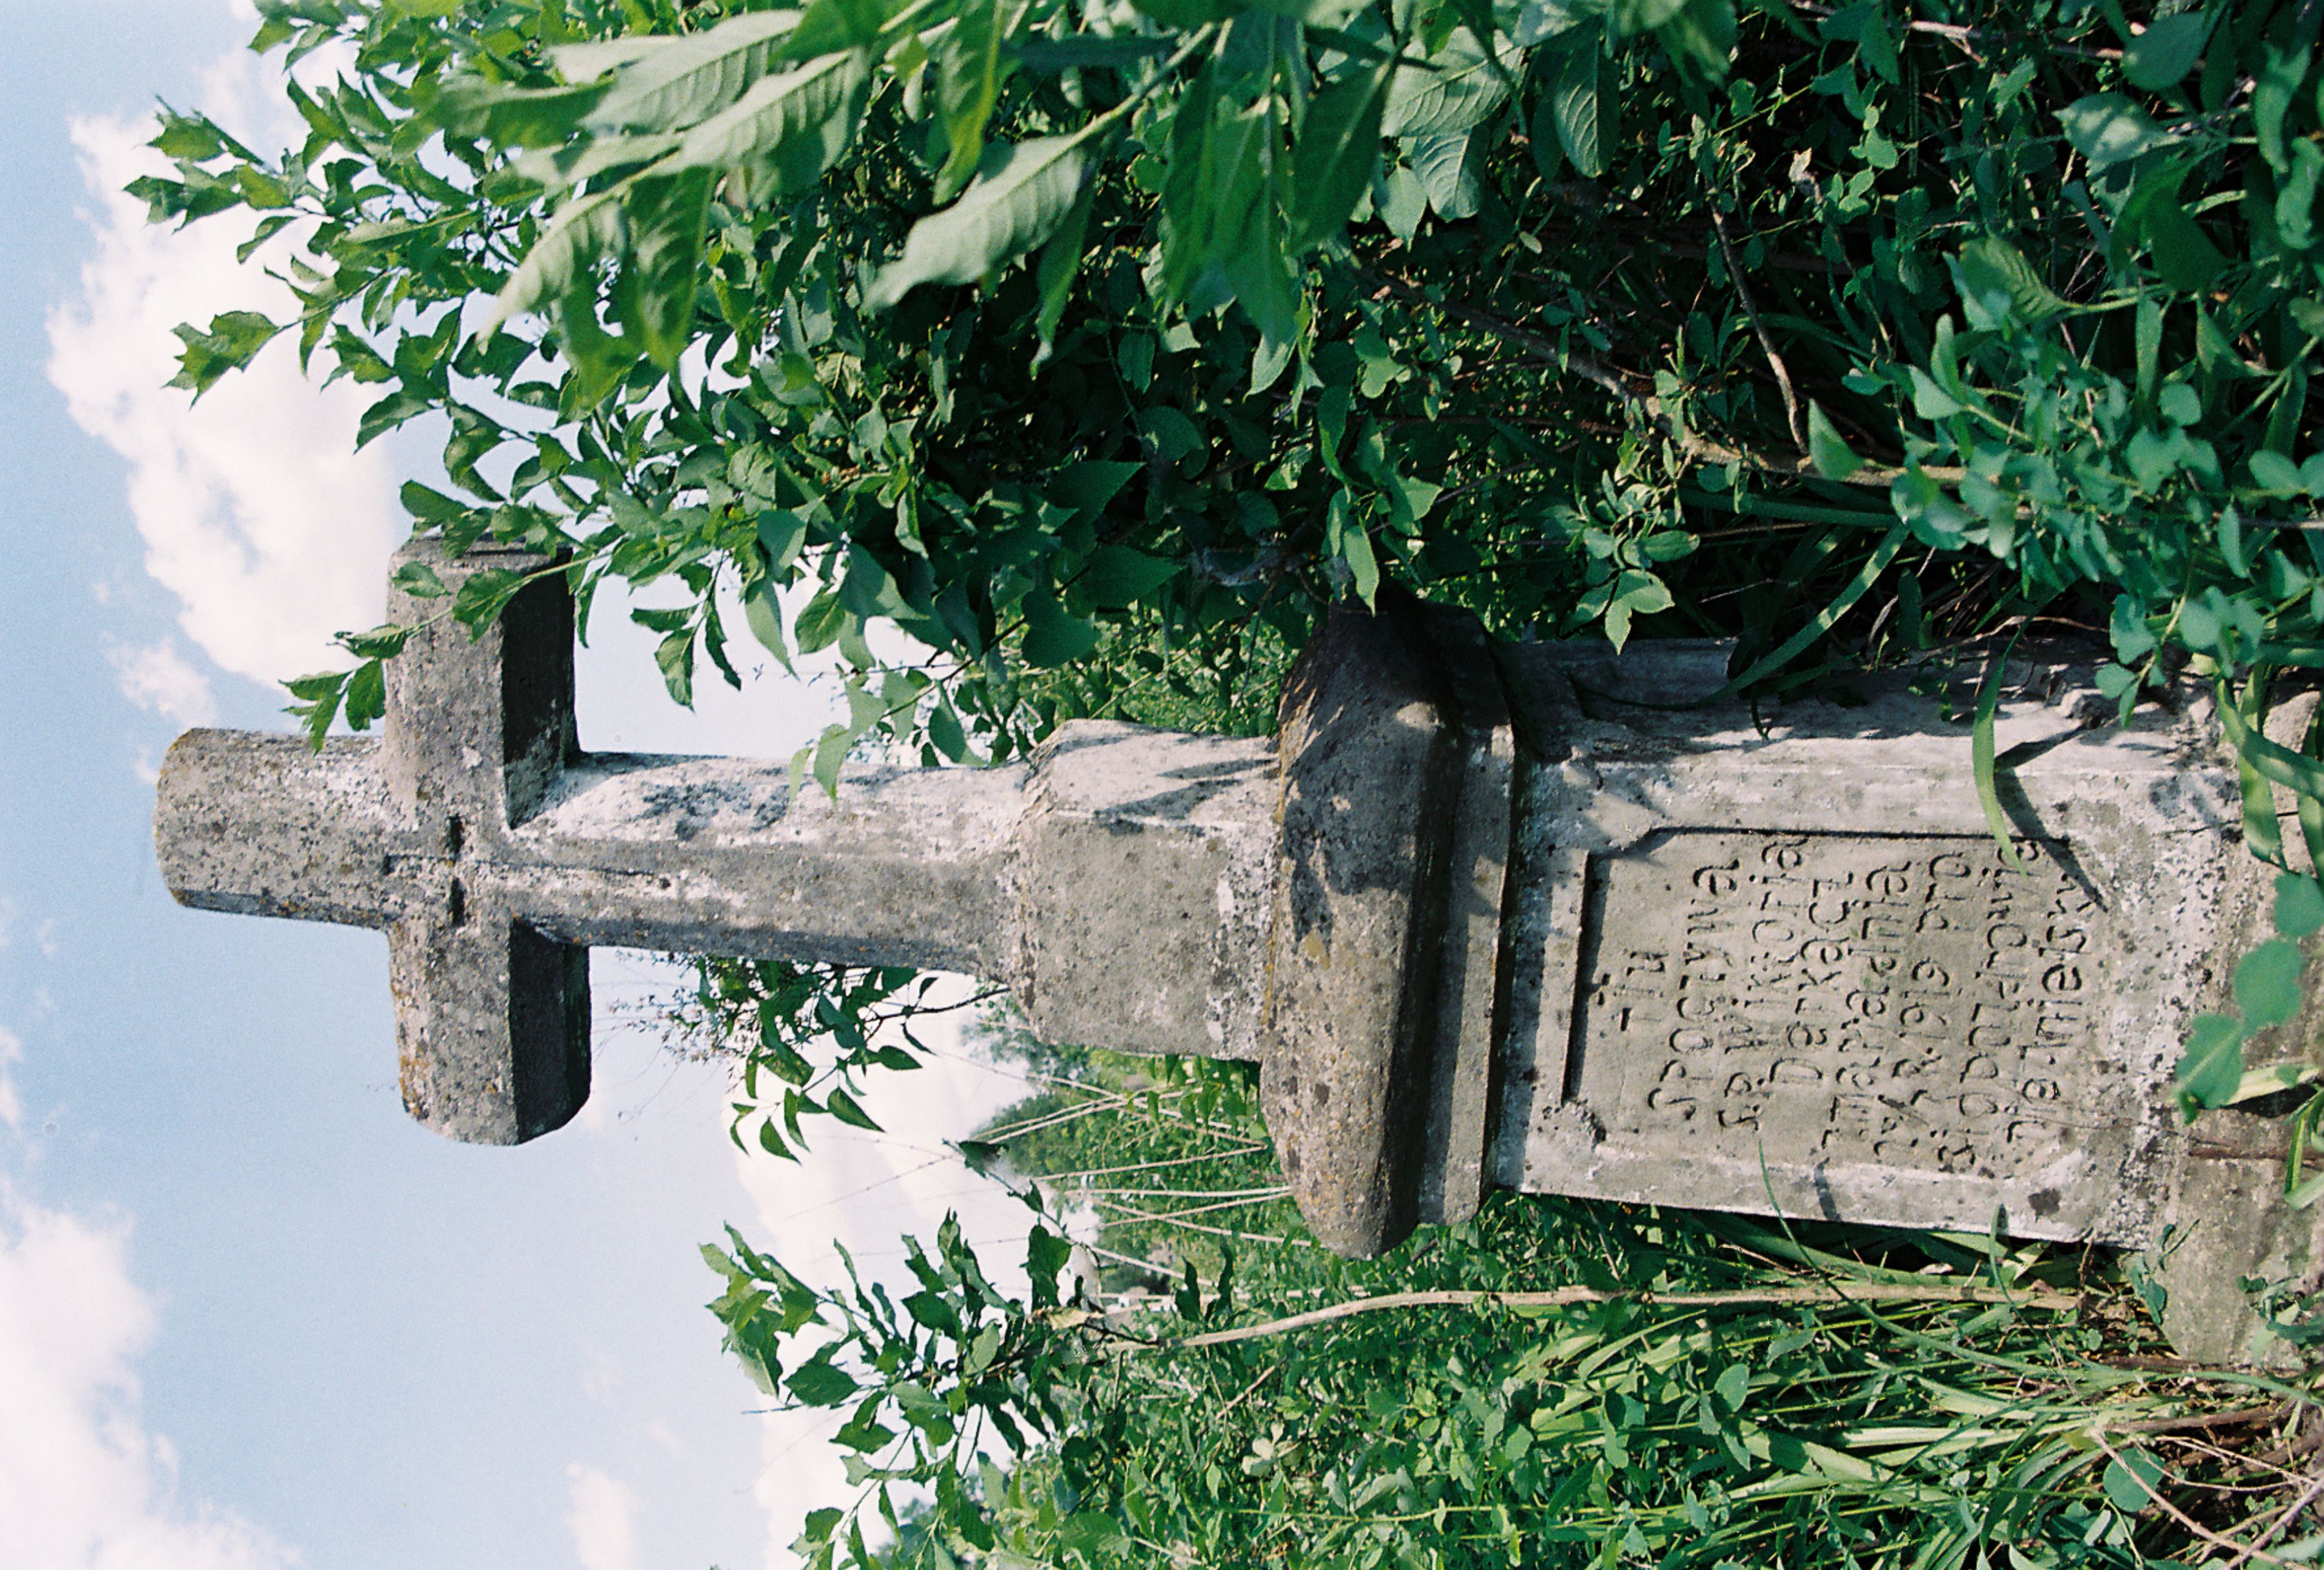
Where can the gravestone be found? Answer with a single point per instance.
(1529, 915)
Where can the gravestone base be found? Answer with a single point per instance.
(2227, 1227)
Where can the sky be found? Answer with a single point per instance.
(250, 1316)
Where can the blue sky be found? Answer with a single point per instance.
(249, 1315)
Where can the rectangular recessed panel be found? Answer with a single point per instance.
(1815, 1003)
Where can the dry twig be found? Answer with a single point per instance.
(1564, 1296)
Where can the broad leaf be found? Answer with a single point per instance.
(1832, 457)
(787, 129)
(2267, 984)
(1994, 273)
(1336, 155)
(2213, 1065)
(1457, 89)
(1018, 200)
(2167, 51)
(1582, 102)
(582, 232)
(2107, 129)
(664, 218)
(695, 77)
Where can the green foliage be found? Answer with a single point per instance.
(1095, 348)
(1071, 1428)
(799, 1039)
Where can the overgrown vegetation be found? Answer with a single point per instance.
(1604, 1385)
(1097, 346)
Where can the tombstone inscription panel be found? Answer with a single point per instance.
(1908, 1002)
(1779, 963)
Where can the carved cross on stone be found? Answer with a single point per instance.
(1532, 916)
(1120, 884)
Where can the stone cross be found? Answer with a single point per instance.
(1531, 916)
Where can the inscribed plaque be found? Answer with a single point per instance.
(1814, 1000)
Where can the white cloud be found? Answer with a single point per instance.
(12, 1106)
(255, 509)
(157, 676)
(83, 1485)
(603, 1519)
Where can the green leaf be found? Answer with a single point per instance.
(228, 344)
(675, 655)
(1704, 33)
(1088, 484)
(691, 78)
(1993, 272)
(1052, 636)
(820, 624)
(483, 594)
(1583, 101)
(1447, 173)
(2275, 473)
(584, 230)
(2267, 984)
(817, 1384)
(2167, 51)
(969, 70)
(2279, 79)
(944, 733)
(2299, 906)
(1117, 576)
(1185, 15)
(366, 695)
(506, 115)
(831, 25)
(1734, 1386)
(1047, 1255)
(663, 220)
(419, 580)
(319, 703)
(785, 132)
(2213, 1066)
(762, 613)
(1336, 155)
(1018, 199)
(2107, 129)
(845, 1108)
(2131, 1478)
(1061, 260)
(1454, 92)
(1832, 457)
(2184, 254)
(1089, 1532)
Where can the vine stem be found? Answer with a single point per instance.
(1766, 342)
(2242, 1552)
(1564, 1296)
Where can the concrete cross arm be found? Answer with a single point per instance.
(1120, 884)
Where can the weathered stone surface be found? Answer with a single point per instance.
(1783, 967)
(1536, 916)
(1145, 890)
(1120, 881)
(1394, 834)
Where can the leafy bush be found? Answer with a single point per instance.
(1558, 1382)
